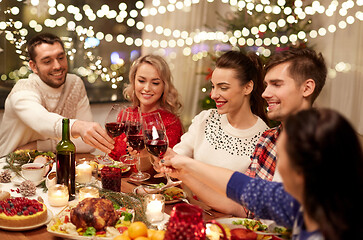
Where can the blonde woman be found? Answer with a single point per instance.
(151, 89)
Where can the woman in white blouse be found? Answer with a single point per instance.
(227, 136)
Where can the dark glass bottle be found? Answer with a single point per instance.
(66, 165)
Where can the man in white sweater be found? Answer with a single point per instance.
(35, 107)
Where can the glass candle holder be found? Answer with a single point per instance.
(58, 195)
(84, 173)
(154, 207)
(111, 178)
(88, 192)
(186, 222)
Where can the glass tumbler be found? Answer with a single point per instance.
(111, 178)
(186, 222)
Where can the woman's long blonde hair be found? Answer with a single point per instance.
(170, 99)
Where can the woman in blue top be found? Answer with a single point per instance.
(319, 198)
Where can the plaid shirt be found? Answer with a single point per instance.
(264, 157)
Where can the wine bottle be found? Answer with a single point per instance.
(66, 165)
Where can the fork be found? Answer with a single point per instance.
(205, 210)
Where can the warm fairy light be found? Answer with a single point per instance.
(171, 38)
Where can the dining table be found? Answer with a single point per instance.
(126, 186)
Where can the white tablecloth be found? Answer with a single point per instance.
(39, 192)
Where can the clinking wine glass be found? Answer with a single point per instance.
(113, 125)
(156, 140)
(126, 159)
(135, 139)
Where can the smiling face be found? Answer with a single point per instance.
(283, 95)
(227, 91)
(149, 87)
(50, 64)
(292, 180)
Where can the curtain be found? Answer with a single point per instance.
(343, 52)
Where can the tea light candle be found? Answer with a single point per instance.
(84, 173)
(58, 195)
(88, 192)
(154, 207)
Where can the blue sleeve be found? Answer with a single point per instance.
(268, 200)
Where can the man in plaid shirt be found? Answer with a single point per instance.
(294, 79)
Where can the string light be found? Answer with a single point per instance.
(180, 38)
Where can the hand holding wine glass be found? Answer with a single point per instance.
(156, 140)
(113, 124)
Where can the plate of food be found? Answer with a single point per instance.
(259, 227)
(92, 218)
(47, 220)
(172, 194)
(100, 164)
(34, 214)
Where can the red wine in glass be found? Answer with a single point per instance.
(111, 178)
(113, 129)
(135, 139)
(157, 147)
(134, 128)
(136, 142)
(122, 127)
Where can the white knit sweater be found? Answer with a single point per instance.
(34, 112)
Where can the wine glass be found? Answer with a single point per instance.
(135, 139)
(126, 159)
(156, 140)
(113, 126)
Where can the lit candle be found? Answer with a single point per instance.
(84, 173)
(88, 192)
(58, 195)
(154, 207)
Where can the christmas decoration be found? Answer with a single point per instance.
(5, 176)
(27, 188)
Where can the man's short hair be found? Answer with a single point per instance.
(304, 64)
(40, 39)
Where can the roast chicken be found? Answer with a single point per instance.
(94, 212)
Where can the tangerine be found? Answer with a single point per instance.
(150, 232)
(137, 229)
(141, 238)
(158, 235)
(122, 237)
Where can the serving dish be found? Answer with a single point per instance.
(49, 217)
(272, 229)
(141, 190)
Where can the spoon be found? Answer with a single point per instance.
(47, 163)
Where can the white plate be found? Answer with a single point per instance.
(70, 236)
(140, 190)
(49, 217)
(162, 224)
(65, 212)
(17, 180)
(270, 225)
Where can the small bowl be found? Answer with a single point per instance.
(33, 171)
(51, 179)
